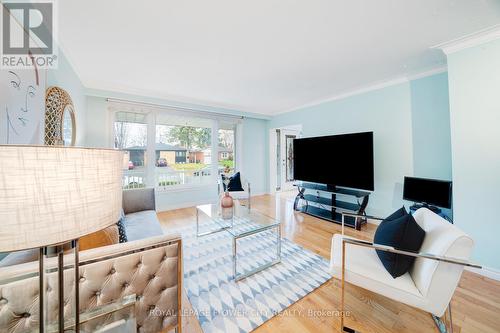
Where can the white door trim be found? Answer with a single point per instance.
(286, 185)
(272, 153)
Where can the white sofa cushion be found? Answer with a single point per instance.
(19, 257)
(364, 269)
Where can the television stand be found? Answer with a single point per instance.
(329, 208)
(417, 206)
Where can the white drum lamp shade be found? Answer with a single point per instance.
(50, 195)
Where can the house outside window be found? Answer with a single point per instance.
(188, 135)
(130, 135)
(226, 148)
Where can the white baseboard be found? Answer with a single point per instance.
(374, 222)
(488, 272)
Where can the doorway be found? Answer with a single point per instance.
(284, 158)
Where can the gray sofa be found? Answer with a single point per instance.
(149, 265)
(140, 219)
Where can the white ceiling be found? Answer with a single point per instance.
(262, 56)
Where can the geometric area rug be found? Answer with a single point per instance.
(225, 306)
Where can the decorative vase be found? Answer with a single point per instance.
(227, 204)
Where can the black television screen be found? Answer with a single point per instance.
(336, 160)
(428, 191)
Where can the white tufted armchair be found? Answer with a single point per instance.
(150, 268)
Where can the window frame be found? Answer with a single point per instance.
(151, 117)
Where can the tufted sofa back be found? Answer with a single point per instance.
(149, 268)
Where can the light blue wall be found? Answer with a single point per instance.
(474, 80)
(97, 134)
(255, 141)
(65, 77)
(386, 112)
(431, 127)
(393, 114)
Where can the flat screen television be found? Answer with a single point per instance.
(338, 160)
(432, 192)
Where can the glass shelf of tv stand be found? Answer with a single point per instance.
(337, 190)
(350, 206)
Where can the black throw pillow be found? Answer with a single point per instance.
(403, 233)
(397, 214)
(234, 183)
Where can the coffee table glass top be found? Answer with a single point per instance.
(246, 226)
(244, 221)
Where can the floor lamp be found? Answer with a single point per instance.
(50, 196)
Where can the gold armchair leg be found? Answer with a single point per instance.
(342, 289)
(342, 296)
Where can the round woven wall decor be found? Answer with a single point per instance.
(57, 102)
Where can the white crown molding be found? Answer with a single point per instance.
(431, 72)
(371, 87)
(471, 40)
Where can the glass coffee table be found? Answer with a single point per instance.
(245, 223)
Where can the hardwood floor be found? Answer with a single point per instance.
(476, 303)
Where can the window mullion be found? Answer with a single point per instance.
(215, 151)
(151, 150)
(238, 148)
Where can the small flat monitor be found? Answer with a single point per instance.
(426, 191)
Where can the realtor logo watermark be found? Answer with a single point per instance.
(28, 31)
